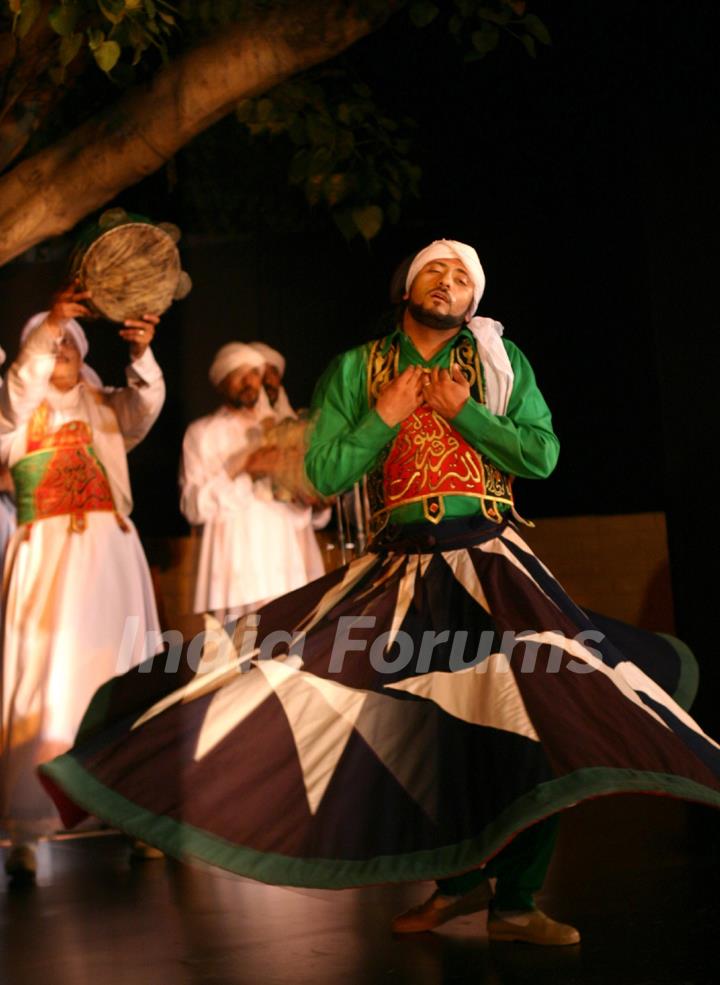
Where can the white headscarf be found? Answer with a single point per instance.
(271, 356)
(498, 371)
(75, 330)
(234, 355)
(445, 249)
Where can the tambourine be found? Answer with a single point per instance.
(290, 483)
(130, 265)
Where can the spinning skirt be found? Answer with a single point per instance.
(401, 718)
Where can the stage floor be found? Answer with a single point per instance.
(648, 909)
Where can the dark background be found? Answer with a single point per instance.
(587, 180)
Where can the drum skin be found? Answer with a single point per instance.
(289, 480)
(130, 270)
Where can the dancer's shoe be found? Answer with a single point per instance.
(438, 909)
(531, 927)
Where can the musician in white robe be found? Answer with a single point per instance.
(315, 518)
(7, 503)
(78, 600)
(253, 546)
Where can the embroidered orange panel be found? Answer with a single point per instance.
(62, 474)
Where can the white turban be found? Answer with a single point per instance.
(271, 356)
(75, 330)
(234, 355)
(444, 249)
(70, 326)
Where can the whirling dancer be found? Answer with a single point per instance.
(426, 711)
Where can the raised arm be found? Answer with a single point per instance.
(138, 404)
(28, 378)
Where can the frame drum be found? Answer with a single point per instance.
(131, 269)
(289, 479)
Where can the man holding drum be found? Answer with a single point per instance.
(254, 547)
(77, 584)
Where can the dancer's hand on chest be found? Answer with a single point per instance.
(401, 396)
(446, 393)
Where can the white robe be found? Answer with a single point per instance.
(7, 523)
(79, 607)
(253, 547)
(7, 511)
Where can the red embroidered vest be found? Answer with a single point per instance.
(429, 459)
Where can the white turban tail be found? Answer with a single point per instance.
(234, 355)
(271, 356)
(444, 249)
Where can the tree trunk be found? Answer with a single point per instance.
(50, 192)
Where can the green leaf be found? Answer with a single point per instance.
(57, 74)
(264, 110)
(245, 110)
(344, 221)
(27, 16)
(313, 188)
(319, 129)
(344, 114)
(62, 19)
(486, 39)
(423, 12)
(107, 54)
(321, 160)
(529, 45)
(112, 10)
(535, 26)
(150, 7)
(69, 47)
(368, 220)
(299, 167)
(95, 38)
(336, 188)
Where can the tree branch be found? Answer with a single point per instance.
(50, 192)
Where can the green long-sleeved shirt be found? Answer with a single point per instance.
(349, 435)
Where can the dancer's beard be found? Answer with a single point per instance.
(441, 323)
